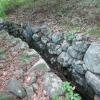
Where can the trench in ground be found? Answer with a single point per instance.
(62, 72)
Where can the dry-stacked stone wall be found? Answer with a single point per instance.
(74, 52)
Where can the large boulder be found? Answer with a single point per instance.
(92, 58)
(40, 66)
(93, 81)
(52, 84)
(14, 86)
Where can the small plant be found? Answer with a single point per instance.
(70, 37)
(69, 93)
(25, 58)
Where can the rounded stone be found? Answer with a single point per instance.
(64, 45)
(65, 59)
(52, 83)
(75, 54)
(36, 29)
(14, 86)
(35, 37)
(44, 39)
(29, 91)
(78, 66)
(92, 58)
(56, 37)
(93, 81)
(45, 30)
(80, 46)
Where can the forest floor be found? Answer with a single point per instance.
(56, 23)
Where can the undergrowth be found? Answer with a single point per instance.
(69, 93)
(6, 5)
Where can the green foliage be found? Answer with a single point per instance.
(6, 5)
(69, 92)
(70, 37)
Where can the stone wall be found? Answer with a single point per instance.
(74, 52)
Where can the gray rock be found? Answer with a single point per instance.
(53, 60)
(93, 81)
(44, 39)
(81, 37)
(26, 36)
(64, 45)
(35, 86)
(31, 52)
(52, 84)
(58, 49)
(78, 67)
(97, 97)
(56, 37)
(40, 45)
(80, 80)
(51, 48)
(36, 29)
(7, 96)
(46, 30)
(85, 68)
(14, 86)
(64, 59)
(14, 41)
(80, 46)
(36, 37)
(29, 91)
(20, 46)
(28, 33)
(54, 49)
(41, 66)
(75, 54)
(78, 37)
(92, 58)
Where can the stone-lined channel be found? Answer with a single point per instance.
(69, 56)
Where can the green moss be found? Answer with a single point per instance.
(24, 59)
